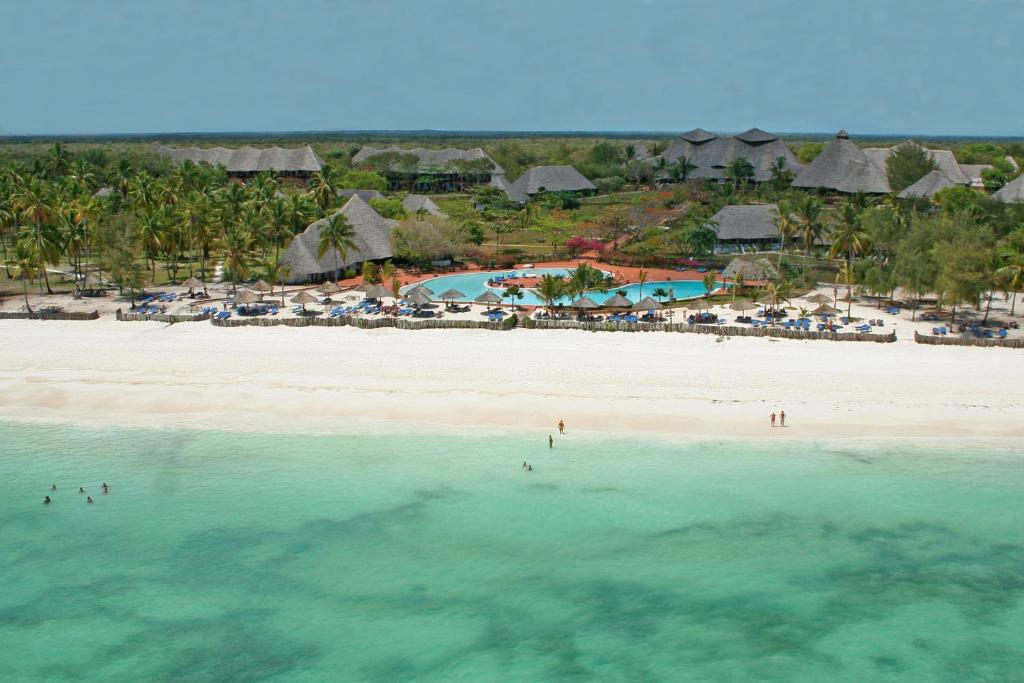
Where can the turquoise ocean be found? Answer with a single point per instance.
(432, 557)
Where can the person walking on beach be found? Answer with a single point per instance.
(561, 427)
(773, 419)
(551, 442)
(782, 418)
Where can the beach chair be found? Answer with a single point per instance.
(942, 330)
(1001, 333)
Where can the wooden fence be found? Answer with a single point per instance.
(366, 323)
(717, 330)
(44, 315)
(967, 341)
(170, 318)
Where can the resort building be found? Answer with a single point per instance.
(750, 270)
(365, 195)
(711, 154)
(748, 227)
(429, 169)
(844, 166)
(301, 162)
(544, 179)
(1012, 191)
(372, 239)
(416, 203)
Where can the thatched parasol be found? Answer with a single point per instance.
(819, 299)
(191, 283)
(617, 301)
(584, 302)
(379, 292)
(647, 304)
(488, 297)
(246, 296)
(422, 288)
(417, 298)
(451, 295)
(698, 305)
(825, 309)
(743, 306)
(303, 298)
(262, 286)
(366, 286)
(328, 288)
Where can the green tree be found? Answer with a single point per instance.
(24, 264)
(338, 236)
(907, 164)
(848, 239)
(550, 289)
(786, 225)
(739, 172)
(808, 212)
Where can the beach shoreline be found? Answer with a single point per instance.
(337, 380)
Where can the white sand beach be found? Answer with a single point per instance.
(331, 379)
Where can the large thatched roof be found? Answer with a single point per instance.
(750, 269)
(928, 185)
(248, 159)
(746, 222)
(553, 179)
(414, 203)
(944, 160)
(372, 238)
(430, 159)
(844, 166)
(1012, 191)
(365, 195)
(509, 188)
(711, 153)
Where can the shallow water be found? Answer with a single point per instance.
(225, 557)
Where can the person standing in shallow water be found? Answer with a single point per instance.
(551, 442)
(773, 419)
(561, 427)
(782, 418)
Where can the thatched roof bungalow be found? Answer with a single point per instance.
(741, 226)
(552, 179)
(365, 195)
(750, 269)
(1012, 191)
(711, 154)
(245, 161)
(844, 167)
(372, 238)
(927, 186)
(415, 203)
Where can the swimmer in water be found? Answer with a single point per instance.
(88, 499)
(529, 468)
(47, 501)
(524, 463)
(551, 442)
(81, 490)
(105, 487)
(53, 487)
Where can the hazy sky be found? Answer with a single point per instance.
(871, 66)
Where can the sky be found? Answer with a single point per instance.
(928, 67)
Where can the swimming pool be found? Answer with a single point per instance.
(473, 284)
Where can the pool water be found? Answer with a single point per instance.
(475, 283)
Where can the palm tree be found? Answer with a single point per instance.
(808, 212)
(710, 280)
(1011, 275)
(776, 292)
(151, 234)
(32, 201)
(550, 289)
(787, 227)
(846, 275)
(25, 265)
(660, 293)
(680, 170)
(338, 236)
(323, 188)
(514, 292)
(848, 237)
(641, 277)
(275, 272)
(236, 243)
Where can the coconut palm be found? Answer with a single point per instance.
(323, 188)
(848, 237)
(32, 200)
(660, 293)
(338, 236)
(641, 278)
(276, 273)
(151, 234)
(808, 212)
(550, 289)
(710, 281)
(787, 227)
(513, 292)
(24, 264)
(1011, 275)
(681, 169)
(236, 243)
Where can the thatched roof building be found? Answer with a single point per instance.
(365, 195)
(843, 166)
(750, 269)
(430, 160)
(301, 161)
(414, 203)
(711, 153)
(508, 187)
(372, 238)
(553, 179)
(927, 186)
(1012, 191)
(753, 224)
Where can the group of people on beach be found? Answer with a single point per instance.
(88, 499)
(781, 418)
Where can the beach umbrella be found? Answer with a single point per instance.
(422, 288)
(584, 302)
(329, 288)
(246, 296)
(648, 304)
(451, 295)
(303, 298)
(366, 286)
(191, 283)
(417, 298)
(819, 299)
(618, 301)
(379, 292)
(698, 305)
(488, 297)
(262, 286)
(825, 309)
(743, 306)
